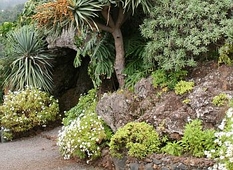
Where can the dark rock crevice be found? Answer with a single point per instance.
(69, 82)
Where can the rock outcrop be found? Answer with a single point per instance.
(168, 112)
(65, 40)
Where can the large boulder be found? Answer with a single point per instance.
(116, 109)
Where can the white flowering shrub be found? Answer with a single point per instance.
(84, 133)
(26, 109)
(82, 137)
(223, 154)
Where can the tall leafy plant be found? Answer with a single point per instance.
(180, 32)
(134, 67)
(100, 49)
(31, 66)
(5, 28)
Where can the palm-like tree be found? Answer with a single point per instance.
(30, 66)
(105, 15)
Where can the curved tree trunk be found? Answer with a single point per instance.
(114, 27)
(119, 63)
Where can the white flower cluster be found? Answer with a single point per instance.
(224, 139)
(82, 137)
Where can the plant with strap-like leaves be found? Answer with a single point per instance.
(96, 15)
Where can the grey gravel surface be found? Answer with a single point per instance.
(36, 153)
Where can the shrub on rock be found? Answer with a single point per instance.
(136, 139)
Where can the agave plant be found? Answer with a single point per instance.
(84, 12)
(31, 66)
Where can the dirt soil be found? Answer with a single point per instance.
(38, 152)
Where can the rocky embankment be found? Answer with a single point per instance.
(168, 113)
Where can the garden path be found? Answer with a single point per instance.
(39, 152)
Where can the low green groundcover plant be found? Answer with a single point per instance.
(195, 141)
(183, 87)
(220, 100)
(168, 79)
(136, 139)
(26, 109)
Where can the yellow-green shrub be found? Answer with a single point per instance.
(183, 87)
(136, 139)
(26, 109)
(220, 99)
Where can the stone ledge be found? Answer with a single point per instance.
(164, 162)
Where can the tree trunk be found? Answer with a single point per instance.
(119, 63)
(113, 25)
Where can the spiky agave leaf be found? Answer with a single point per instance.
(131, 5)
(85, 11)
(31, 66)
(26, 41)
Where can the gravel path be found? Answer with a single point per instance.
(36, 153)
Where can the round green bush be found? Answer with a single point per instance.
(26, 109)
(136, 139)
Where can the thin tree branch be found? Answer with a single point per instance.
(106, 14)
(102, 27)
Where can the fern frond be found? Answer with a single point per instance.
(134, 78)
